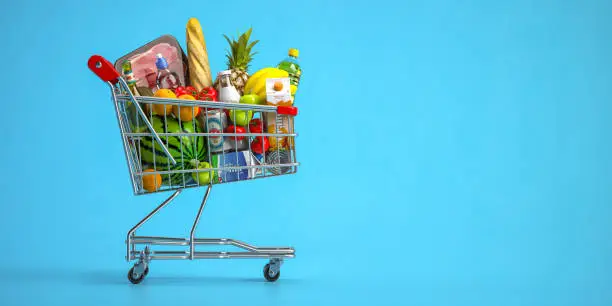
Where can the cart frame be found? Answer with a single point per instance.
(144, 255)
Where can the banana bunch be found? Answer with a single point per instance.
(256, 84)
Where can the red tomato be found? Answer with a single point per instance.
(237, 130)
(256, 126)
(260, 145)
(192, 91)
(179, 91)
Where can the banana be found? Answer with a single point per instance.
(253, 79)
(260, 85)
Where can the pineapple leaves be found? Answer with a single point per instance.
(239, 55)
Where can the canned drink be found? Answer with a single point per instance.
(215, 121)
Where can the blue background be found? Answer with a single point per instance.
(453, 153)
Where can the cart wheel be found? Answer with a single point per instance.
(269, 274)
(139, 279)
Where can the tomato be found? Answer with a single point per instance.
(207, 94)
(179, 91)
(235, 129)
(256, 126)
(192, 91)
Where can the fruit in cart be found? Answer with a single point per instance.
(191, 90)
(237, 130)
(293, 89)
(185, 113)
(151, 182)
(239, 58)
(207, 94)
(260, 145)
(251, 99)
(161, 109)
(179, 91)
(257, 82)
(256, 126)
(240, 117)
(183, 149)
(203, 177)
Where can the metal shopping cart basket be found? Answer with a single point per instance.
(166, 142)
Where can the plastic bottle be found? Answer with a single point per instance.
(128, 75)
(292, 66)
(165, 78)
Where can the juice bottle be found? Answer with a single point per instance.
(165, 78)
(292, 66)
(128, 75)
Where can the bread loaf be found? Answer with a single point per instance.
(199, 69)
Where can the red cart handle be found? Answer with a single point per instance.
(103, 69)
(287, 110)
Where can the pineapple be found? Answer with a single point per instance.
(238, 60)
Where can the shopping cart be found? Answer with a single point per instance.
(165, 145)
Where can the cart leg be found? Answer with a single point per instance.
(145, 219)
(195, 223)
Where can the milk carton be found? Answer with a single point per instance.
(278, 92)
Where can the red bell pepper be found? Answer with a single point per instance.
(260, 144)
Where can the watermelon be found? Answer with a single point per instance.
(187, 151)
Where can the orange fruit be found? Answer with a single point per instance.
(186, 113)
(151, 182)
(161, 109)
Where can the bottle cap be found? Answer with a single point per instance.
(224, 72)
(161, 62)
(294, 52)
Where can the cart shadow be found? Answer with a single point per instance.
(116, 277)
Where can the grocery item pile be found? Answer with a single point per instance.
(161, 69)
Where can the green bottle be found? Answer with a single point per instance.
(292, 66)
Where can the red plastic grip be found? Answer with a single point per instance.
(287, 110)
(103, 69)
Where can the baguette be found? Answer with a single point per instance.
(199, 68)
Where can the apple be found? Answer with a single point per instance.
(241, 118)
(251, 99)
(202, 178)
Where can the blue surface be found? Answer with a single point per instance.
(453, 152)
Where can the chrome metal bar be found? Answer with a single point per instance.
(197, 219)
(123, 137)
(145, 219)
(207, 104)
(214, 255)
(222, 168)
(146, 120)
(212, 134)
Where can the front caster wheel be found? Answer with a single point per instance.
(136, 278)
(271, 275)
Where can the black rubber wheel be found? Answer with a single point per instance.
(138, 280)
(268, 276)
